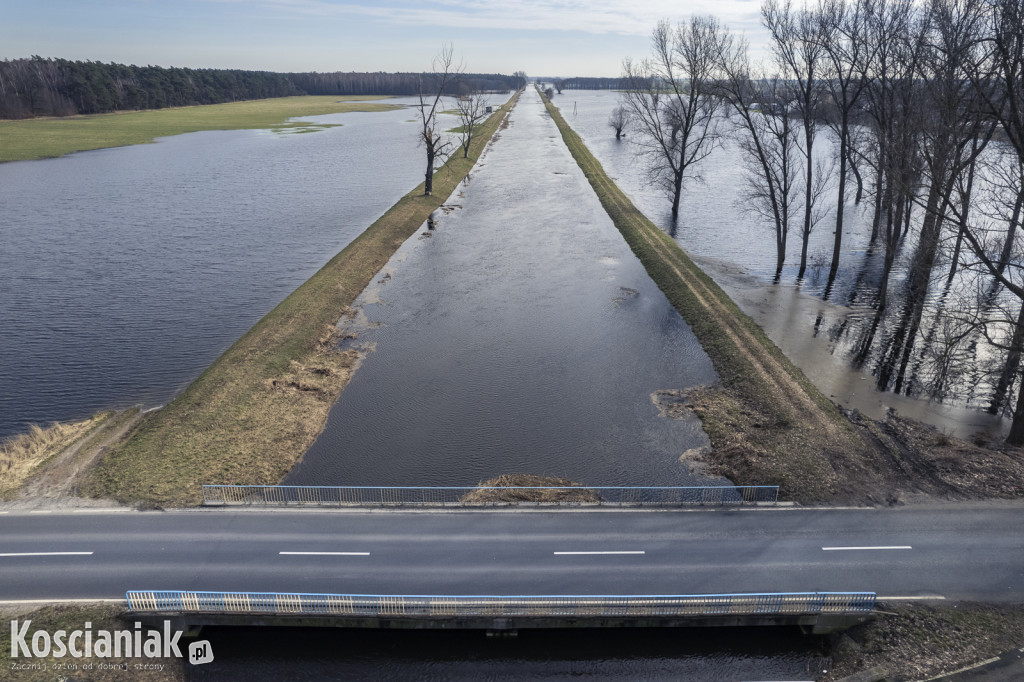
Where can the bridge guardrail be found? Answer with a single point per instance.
(364, 605)
(456, 496)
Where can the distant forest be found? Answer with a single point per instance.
(583, 83)
(60, 87)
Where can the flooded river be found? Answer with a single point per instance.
(704, 655)
(520, 335)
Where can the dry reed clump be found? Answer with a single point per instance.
(514, 492)
(22, 454)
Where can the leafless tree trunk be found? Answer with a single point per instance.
(842, 33)
(759, 108)
(671, 101)
(437, 145)
(472, 112)
(618, 120)
(799, 49)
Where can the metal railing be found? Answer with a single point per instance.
(367, 605)
(478, 496)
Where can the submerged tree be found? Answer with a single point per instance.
(799, 48)
(670, 98)
(434, 140)
(842, 29)
(767, 139)
(618, 120)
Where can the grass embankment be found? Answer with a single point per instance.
(24, 454)
(41, 138)
(768, 424)
(253, 414)
(107, 617)
(917, 642)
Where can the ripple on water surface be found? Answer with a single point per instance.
(521, 336)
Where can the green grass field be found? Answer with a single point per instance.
(41, 138)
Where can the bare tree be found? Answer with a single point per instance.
(998, 78)
(618, 120)
(472, 112)
(952, 134)
(759, 107)
(444, 71)
(799, 49)
(842, 35)
(671, 101)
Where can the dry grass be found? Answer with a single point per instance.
(40, 138)
(252, 415)
(514, 493)
(23, 454)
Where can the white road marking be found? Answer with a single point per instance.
(835, 549)
(327, 553)
(927, 597)
(12, 554)
(626, 552)
(101, 511)
(41, 511)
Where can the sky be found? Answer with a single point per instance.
(542, 37)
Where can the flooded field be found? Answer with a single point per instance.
(833, 333)
(125, 272)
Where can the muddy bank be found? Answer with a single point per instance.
(919, 642)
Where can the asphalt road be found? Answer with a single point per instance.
(955, 552)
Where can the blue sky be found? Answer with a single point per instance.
(542, 37)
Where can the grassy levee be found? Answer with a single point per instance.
(768, 424)
(256, 410)
(40, 138)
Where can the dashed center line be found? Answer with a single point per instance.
(326, 553)
(620, 552)
(13, 554)
(836, 549)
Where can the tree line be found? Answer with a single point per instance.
(924, 105)
(60, 87)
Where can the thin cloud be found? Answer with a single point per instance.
(595, 17)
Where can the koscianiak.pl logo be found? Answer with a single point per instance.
(28, 645)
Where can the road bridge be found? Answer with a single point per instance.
(914, 553)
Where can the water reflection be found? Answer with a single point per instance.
(519, 336)
(614, 654)
(889, 330)
(125, 272)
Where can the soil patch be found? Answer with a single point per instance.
(517, 489)
(917, 642)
